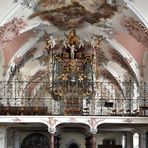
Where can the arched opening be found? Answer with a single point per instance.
(73, 135)
(136, 140)
(73, 145)
(35, 140)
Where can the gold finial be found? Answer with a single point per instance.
(72, 38)
(97, 42)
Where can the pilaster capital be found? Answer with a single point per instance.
(51, 130)
(93, 130)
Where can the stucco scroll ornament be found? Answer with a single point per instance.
(28, 3)
(93, 130)
(93, 122)
(72, 119)
(51, 130)
(16, 120)
(51, 123)
(9, 30)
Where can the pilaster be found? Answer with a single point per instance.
(129, 140)
(142, 138)
(3, 138)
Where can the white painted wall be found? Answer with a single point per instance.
(105, 135)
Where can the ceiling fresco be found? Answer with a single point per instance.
(74, 14)
(137, 29)
(10, 30)
(90, 19)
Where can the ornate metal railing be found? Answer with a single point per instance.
(107, 99)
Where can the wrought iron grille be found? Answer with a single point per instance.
(34, 98)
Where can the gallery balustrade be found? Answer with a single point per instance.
(104, 99)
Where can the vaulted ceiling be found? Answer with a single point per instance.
(123, 24)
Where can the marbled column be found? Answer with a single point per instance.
(52, 139)
(93, 140)
(93, 131)
(56, 141)
(3, 138)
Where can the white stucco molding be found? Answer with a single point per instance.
(39, 24)
(29, 3)
(132, 6)
(114, 72)
(123, 51)
(53, 121)
(11, 13)
(52, 130)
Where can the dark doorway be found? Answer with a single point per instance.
(73, 145)
(35, 140)
(147, 139)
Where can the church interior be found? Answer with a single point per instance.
(73, 74)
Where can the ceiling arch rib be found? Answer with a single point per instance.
(133, 5)
(114, 73)
(2, 63)
(33, 26)
(110, 75)
(11, 13)
(133, 64)
(34, 70)
(115, 69)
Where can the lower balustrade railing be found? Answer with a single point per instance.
(101, 107)
(104, 99)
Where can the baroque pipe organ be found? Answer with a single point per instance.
(72, 73)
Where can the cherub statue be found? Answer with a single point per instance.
(50, 42)
(72, 51)
(97, 42)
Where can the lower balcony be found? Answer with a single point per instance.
(100, 107)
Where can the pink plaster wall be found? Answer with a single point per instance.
(14, 45)
(135, 48)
